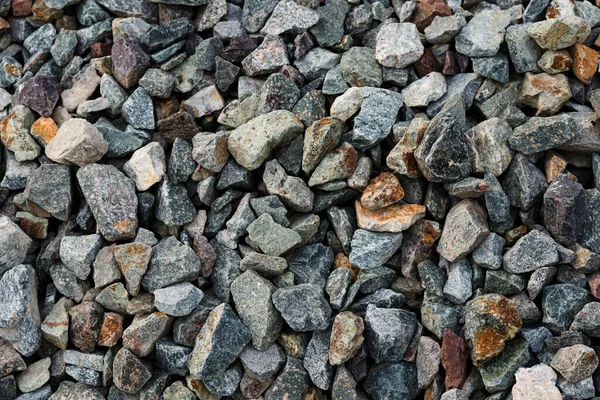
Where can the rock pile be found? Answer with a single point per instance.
(299, 199)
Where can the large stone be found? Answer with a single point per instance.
(77, 142)
(130, 373)
(272, 238)
(289, 17)
(563, 209)
(425, 90)
(484, 34)
(388, 332)
(111, 197)
(346, 337)
(145, 330)
(499, 373)
(373, 249)
(86, 320)
(389, 54)
(532, 251)
(559, 33)
(488, 146)
(219, 343)
(129, 62)
(292, 190)
(252, 143)
(536, 383)
(378, 111)
(392, 381)
(252, 297)
(491, 320)
(575, 363)
(41, 94)
(49, 187)
(547, 93)
(78, 252)
(560, 304)
(389, 219)
(132, 261)
(171, 262)
(524, 183)
(177, 300)
(539, 134)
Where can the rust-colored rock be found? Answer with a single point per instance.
(402, 157)
(555, 164)
(86, 320)
(454, 355)
(164, 108)
(594, 282)
(111, 330)
(346, 337)
(43, 130)
(585, 63)
(132, 260)
(33, 226)
(427, 10)
(41, 12)
(511, 237)
(450, 64)
(418, 245)
(427, 63)
(490, 321)
(342, 261)
(382, 191)
(389, 219)
(21, 8)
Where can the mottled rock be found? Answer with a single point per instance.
(373, 249)
(171, 262)
(387, 344)
(390, 55)
(303, 307)
(532, 251)
(464, 230)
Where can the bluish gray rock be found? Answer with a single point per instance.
(303, 307)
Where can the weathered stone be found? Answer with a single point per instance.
(559, 33)
(346, 337)
(373, 249)
(464, 230)
(14, 244)
(14, 133)
(498, 373)
(171, 262)
(524, 184)
(537, 382)
(532, 251)
(130, 374)
(386, 344)
(484, 34)
(77, 142)
(129, 62)
(488, 146)
(303, 307)
(560, 304)
(454, 355)
(390, 55)
(86, 320)
(392, 381)
(292, 382)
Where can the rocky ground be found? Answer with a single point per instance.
(295, 200)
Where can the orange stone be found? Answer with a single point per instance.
(390, 218)
(342, 261)
(4, 24)
(515, 234)
(43, 13)
(585, 63)
(382, 191)
(44, 130)
(555, 165)
(111, 330)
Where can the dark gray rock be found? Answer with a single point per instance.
(171, 262)
(303, 307)
(524, 184)
(171, 357)
(392, 381)
(373, 249)
(316, 359)
(560, 304)
(532, 251)
(173, 206)
(388, 333)
(311, 264)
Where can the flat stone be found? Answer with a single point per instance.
(316, 360)
(454, 355)
(111, 197)
(35, 376)
(262, 365)
(271, 237)
(303, 307)
(575, 363)
(390, 55)
(532, 251)
(219, 343)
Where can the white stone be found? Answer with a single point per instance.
(146, 166)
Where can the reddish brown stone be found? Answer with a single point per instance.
(252, 388)
(463, 61)
(4, 24)
(450, 64)
(292, 74)
(21, 8)
(454, 355)
(164, 108)
(303, 43)
(10, 360)
(100, 49)
(427, 63)
(33, 226)
(594, 282)
(389, 219)
(180, 124)
(86, 320)
(206, 253)
(515, 234)
(68, 22)
(585, 63)
(238, 49)
(418, 245)
(111, 331)
(382, 191)
(427, 10)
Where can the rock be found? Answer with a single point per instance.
(384, 343)
(374, 121)
(267, 58)
(173, 206)
(524, 184)
(35, 376)
(130, 374)
(532, 251)
(320, 138)
(453, 163)
(111, 197)
(425, 90)
(14, 133)
(560, 304)
(388, 54)
(13, 245)
(250, 144)
(585, 63)
(489, 253)
(337, 165)
(538, 381)
(382, 191)
(84, 85)
(488, 146)
(484, 34)
(289, 17)
(428, 361)
(272, 238)
(129, 62)
(262, 365)
(132, 261)
(359, 67)
(547, 93)
(392, 381)
(55, 327)
(303, 307)
(389, 219)
(454, 355)
(77, 142)
(138, 110)
(498, 373)
(78, 253)
(589, 235)
(292, 382)
(464, 230)
(218, 344)
(373, 249)
(458, 287)
(145, 330)
(316, 359)
(171, 262)
(41, 94)
(444, 29)
(563, 205)
(210, 151)
(86, 320)
(252, 297)
(146, 166)
(177, 300)
(346, 337)
(559, 33)
(575, 363)
(490, 321)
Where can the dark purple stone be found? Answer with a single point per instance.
(41, 94)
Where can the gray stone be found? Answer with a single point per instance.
(272, 238)
(489, 252)
(78, 252)
(171, 357)
(114, 297)
(177, 300)
(35, 376)
(316, 359)
(464, 230)
(225, 384)
(376, 117)
(329, 30)
(524, 51)
(316, 63)
(484, 34)
(373, 249)
(560, 304)
(359, 67)
(293, 191)
(444, 29)
(111, 197)
(563, 209)
(67, 283)
(389, 54)
(498, 373)
(303, 307)
(392, 381)
(388, 333)
(130, 374)
(532, 251)
(173, 206)
(425, 90)
(458, 286)
(171, 262)
(292, 383)
(262, 365)
(524, 184)
(14, 244)
(489, 151)
(219, 343)
(289, 17)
